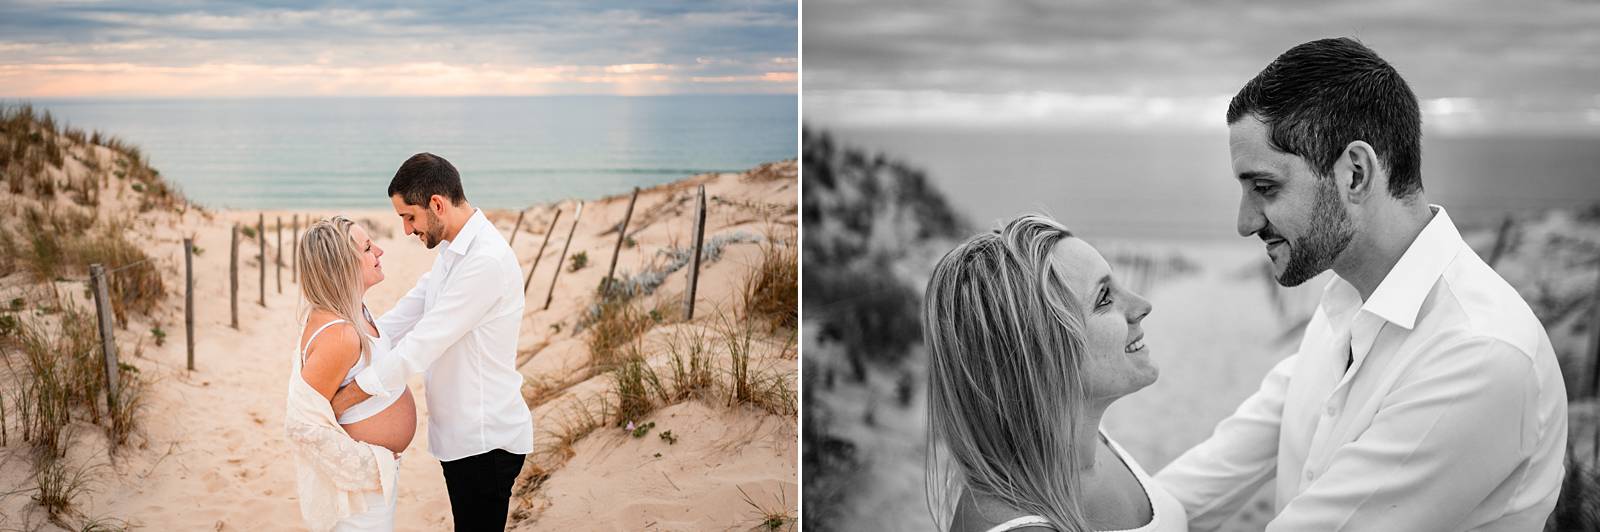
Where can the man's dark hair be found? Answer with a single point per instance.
(424, 175)
(1320, 96)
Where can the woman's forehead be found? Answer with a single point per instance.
(1079, 264)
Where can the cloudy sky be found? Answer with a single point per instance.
(171, 48)
(1478, 65)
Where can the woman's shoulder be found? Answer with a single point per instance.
(985, 514)
(326, 333)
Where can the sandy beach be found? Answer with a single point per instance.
(208, 452)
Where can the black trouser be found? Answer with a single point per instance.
(480, 489)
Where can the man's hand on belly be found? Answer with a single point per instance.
(347, 396)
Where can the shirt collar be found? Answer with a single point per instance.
(469, 232)
(1398, 299)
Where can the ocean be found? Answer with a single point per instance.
(511, 151)
(1178, 184)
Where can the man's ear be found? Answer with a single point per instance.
(436, 204)
(1360, 162)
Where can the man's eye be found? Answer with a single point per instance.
(1265, 189)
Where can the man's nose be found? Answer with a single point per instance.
(1250, 219)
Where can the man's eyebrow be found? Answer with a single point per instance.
(1255, 174)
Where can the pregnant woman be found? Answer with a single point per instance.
(348, 464)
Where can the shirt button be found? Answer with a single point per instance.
(1310, 476)
(1332, 411)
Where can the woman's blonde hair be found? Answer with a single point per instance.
(1005, 384)
(330, 274)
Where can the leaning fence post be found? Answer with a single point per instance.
(540, 255)
(622, 234)
(277, 256)
(1594, 346)
(261, 238)
(694, 261)
(549, 296)
(108, 346)
(294, 254)
(188, 297)
(518, 228)
(1502, 241)
(233, 276)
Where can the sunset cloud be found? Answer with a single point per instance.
(175, 49)
(1478, 65)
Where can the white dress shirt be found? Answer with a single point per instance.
(1451, 416)
(458, 326)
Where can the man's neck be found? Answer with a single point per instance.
(1375, 250)
(457, 220)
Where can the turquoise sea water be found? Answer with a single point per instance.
(511, 151)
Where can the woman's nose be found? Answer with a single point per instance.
(1141, 308)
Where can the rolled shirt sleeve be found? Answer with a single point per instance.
(471, 289)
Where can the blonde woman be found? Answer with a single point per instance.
(347, 463)
(1031, 338)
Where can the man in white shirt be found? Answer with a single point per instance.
(1425, 394)
(458, 326)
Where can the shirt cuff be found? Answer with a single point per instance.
(369, 382)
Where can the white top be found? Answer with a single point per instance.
(1452, 415)
(371, 405)
(458, 326)
(1166, 514)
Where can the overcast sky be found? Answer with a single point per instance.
(167, 48)
(1478, 65)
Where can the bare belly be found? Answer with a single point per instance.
(391, 428)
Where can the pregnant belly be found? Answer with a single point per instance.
(392, 428)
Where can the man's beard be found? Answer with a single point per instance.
(435, 232)
(1330, 233)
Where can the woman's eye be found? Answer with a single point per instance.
(1105, 298)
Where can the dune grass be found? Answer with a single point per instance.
(771, 293)
(1578, 506)
(616, 323)
(689, 368)
(59, 382)
(766, 388)
(774, 517)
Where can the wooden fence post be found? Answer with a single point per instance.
(233, 276)
(277, 256)
(1594, 348)
(549, 296)
(108, 346)
(294, 254)
(1502, 241)
(261, 238)
(517, 229)
(540, 255)
(694, 261)
(622, 234)
(188, 297)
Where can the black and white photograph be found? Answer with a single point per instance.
(1229, 266)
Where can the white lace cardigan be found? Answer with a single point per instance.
(332, 469)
